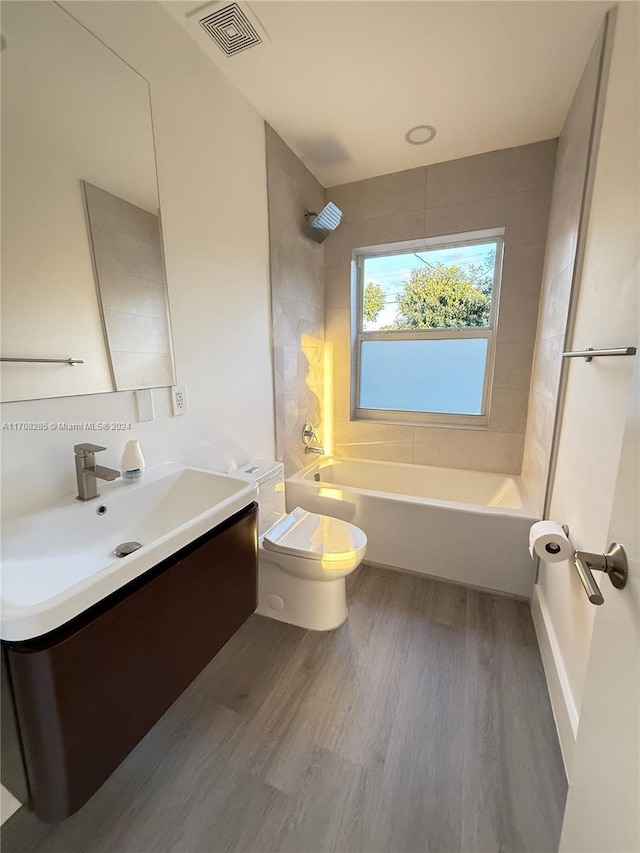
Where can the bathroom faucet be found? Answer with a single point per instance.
(88, 473)
(309, 434)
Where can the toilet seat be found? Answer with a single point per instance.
(315, 546)
(313, 536)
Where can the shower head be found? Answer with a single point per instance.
(323, 223)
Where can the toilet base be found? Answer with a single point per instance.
(315, 605)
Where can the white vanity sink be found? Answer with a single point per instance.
(59, 561)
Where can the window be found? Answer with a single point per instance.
(425, 330)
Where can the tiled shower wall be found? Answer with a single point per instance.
(297, 301)
(559, 272)
(510, 188)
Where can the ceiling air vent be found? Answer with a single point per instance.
(230, 28)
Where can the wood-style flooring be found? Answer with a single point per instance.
(423, 724)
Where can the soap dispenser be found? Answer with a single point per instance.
(132, 461)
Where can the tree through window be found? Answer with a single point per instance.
(427, 314)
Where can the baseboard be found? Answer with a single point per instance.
(564, 708)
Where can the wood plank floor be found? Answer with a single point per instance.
(423, 724)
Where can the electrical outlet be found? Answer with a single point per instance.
(179, 399)
(144, 399)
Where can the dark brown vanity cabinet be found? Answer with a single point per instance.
(86, 693)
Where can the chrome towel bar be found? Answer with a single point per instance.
(590, 352)
(70, 361)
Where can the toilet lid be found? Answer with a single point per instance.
(314, 536)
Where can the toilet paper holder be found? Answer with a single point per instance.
(613, 563)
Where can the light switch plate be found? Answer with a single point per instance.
(144, 399)
(179, 399)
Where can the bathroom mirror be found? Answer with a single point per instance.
(82, 266)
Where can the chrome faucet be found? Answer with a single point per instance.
(309, 449)
(309, 434)
(88, 473)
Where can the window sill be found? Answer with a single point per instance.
(479, 423)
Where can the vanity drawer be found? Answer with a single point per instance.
(88, 692)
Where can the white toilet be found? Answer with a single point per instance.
(304, 558)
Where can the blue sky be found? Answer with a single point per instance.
(391, 271)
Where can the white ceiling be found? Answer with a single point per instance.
(342, 81)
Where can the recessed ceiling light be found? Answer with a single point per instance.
(420, 134)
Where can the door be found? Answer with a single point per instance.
(603, 804)
(597, 482)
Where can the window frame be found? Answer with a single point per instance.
(489, 332)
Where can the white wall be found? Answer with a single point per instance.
(597, 394)
(211, 166)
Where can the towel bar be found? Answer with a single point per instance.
(70, 361)
(590, 352)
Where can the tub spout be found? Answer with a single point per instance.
(309, 449)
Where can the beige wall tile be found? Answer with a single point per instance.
(541, 420)
(554, 305)
(393, 443)
(290, 410)
(506, 188)
(509, 410)
(523, 215)
(294, 318)
(309, 404)
(132, 294)
(283, 332)
(513, 366)
(292, 189)
(518, 319)
(372, 232)
(571, 164)
(563, 231)
(142, 370)
(534, 476)
(338, 287)
(297, 300)
(564, 224)
(497, 173)
(387, 451)
(547, 366)
(342, 402)
(522, 268)
(297, 270)
(129, 264)
(475, 450)
(126, 254)
(342, 383)
(121, 215)
(341, 364)
(386, 195)
(137, 333)
(374, 433)
(535, 464)
(285, 364)
(338, 326)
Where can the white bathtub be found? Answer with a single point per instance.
(464, 526)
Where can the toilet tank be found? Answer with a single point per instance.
(269, 477)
